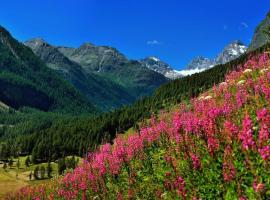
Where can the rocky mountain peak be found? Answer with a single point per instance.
(36, 43)
(87, 45)
(95, 58)
(199, 62)
(159, 66)
(8, 41)
(51, 55)
(259, 37)
(153, 58)
(231, 52)
(4, 32)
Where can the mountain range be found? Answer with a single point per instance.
(91, 77)
(101, 73)
(199, 63)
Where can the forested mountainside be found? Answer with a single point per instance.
(25, 81)
(104, 75)
(111, 65)
(53, 136)
(215, 146)
(105, 94)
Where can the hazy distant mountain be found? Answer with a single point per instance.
(95, 58)
(259, 37)
(199, 64)
(112, 65)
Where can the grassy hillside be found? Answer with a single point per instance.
(215, 146)
(75, 135)
(26, 81)
(14, 177)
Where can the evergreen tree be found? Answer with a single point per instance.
(5, 166)
(267, 32)
(27, 161)
(34, 156)
(42, 172)
(49, 170)
(61, 165)
(18, 164)
(71, 163)
(10, 163)
(30, 176)
(36, 172)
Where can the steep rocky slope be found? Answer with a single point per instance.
(105, 94)
(259, 37)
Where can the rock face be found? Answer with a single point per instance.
(110, 64)
(230, 52)
(259, 37)
(159, 66)
(200, 62)
(95, 58)
(53, 58)
(104, 75)
(104, 94)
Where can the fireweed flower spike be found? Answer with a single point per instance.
(169, 155)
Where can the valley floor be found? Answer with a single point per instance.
(11, 182)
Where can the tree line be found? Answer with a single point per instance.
(49, 136)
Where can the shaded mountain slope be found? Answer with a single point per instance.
(26, 81)
(109, 63)
(105, 94)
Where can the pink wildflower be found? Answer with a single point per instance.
(247, 134)
(265, 152)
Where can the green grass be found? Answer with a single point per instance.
(10, 183)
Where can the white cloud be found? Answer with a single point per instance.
(243, 26)
(154, 42)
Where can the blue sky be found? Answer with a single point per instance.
(173, 30)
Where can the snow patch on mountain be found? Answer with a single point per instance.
(198, 64)
(159, 66)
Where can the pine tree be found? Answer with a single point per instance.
(49, 170)
(10, 163)
(5, 166)
(61, 165)
(18, 164)
(30, 176)
(42, 172)
(267, 32)
(27, 161)
(36, 172)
